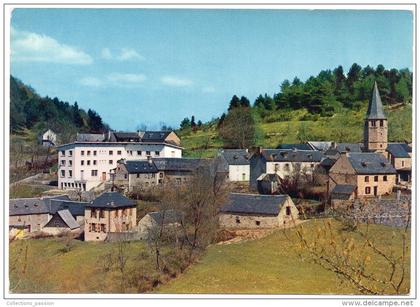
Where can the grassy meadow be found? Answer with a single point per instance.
(271, 265)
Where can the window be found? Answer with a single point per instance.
(178, 180)
(312, 165)
(63, 173)
(70, 162)
(276, 167)
(138, 175)
(243, 177)
(373, 123)
(103, 228)
(366, 178)
(157, 153)
(62, 152)
(82, 162)
(367, 190)
(94, 162)
(94, 173)
(70, 153)
(258, 223)
(119, 152)
(88, 152)
(93, 213)
(160, 175)
(238, 221)
(375, 179)
(402, 163)
(110, 162)
(381, 123)
(111, 152)
(101, 214)
(130, 152)
(88, 162)
(70, 173)
(288, 210)
(63, 162)
(82, 153)
(385, 178)
(147, 153)
(139, 152)
(153, 175)
(94, 152)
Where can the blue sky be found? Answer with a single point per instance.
(147, 66)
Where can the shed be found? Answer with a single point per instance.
(153, 221)
(62, 221)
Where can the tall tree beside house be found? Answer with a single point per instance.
(238, 129)
(95, 121)
(185, 123)
(234, 102)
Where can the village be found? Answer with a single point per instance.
(100, 177)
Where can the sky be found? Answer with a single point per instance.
(139, 67)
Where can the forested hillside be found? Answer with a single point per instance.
(30, 111)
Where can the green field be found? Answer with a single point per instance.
(271, 265)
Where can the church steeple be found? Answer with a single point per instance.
(375, 109)
(376, 124)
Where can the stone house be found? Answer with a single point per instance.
(32, 213)
(253, 211)
(342, 194)
(152, 223)
(137, 174)
(48, 138)
(369, 173)
(236, 163)
(283, 163)
(399, 154)
(61, 222)
(111, 212)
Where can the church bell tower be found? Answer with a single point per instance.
(376, 124)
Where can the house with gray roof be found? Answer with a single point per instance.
(111, 212)
(370, 173)
(144, 174)
(399, 154)
(236, 164)
(35, 213)
(254, 211)
(153, 222)
(283, 162)
(62, 222)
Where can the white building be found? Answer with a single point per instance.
(236, 163)
(48, 138)
(86, 164)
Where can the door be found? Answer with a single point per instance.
(103, 176)
(375, 191)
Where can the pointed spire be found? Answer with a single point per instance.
(375, 109)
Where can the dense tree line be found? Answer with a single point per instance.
(30, 111)
(330, 90)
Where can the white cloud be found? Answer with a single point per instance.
(34, 47)
(91, 82)
(129, 79)
(106, 54)
(175, 81)
(124, 54)
(208, 89)
(114, 80)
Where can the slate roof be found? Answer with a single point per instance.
(155, 136)
(67, 218)
(320, 145)
(399, 150)
(370, 163)
(375, 108)
(27, 206)
(349, 147)
(346, 189)
(140, 167)
(76, 208)
(328, 162)
(177, 164)
(111, 200)
(254, 204)
(269, 177)
(280, 155)
(166, 217)
(303, 146)
(90, 137)
(235, 156)
(125, 137)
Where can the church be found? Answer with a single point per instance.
(377, 167)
